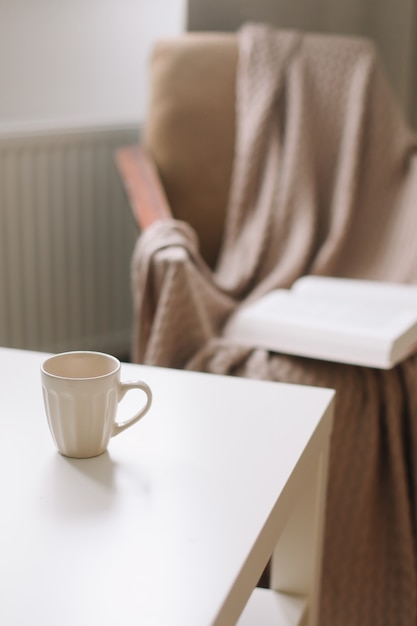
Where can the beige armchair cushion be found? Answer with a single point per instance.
(190, 128)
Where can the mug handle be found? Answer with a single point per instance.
(124, 387)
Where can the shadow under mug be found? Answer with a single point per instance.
(81, 391)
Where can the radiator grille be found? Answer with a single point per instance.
(66, 239)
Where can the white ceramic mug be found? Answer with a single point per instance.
(81, 393)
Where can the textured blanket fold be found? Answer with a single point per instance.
(324, 182)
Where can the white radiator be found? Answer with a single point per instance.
(66, 240)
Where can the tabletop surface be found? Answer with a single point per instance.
(159, 530)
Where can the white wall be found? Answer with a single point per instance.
(71, 62)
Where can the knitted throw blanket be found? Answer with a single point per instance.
(324, 182)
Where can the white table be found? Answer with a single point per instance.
(175, 523)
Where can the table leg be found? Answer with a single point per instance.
(297, 559)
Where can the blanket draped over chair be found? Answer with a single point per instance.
(324, 182)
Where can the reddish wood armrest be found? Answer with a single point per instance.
(143, 185)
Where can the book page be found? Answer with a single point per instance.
(391, 294)
(338, 315)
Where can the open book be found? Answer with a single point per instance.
(336, 319)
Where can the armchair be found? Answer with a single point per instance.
(267, 155)
(183, 166)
